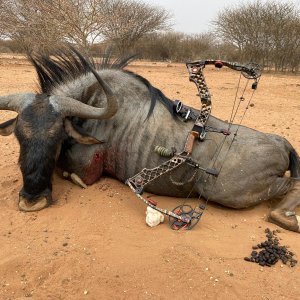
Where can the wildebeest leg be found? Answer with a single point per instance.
(284, 214)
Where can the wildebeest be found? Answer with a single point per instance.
(109, 121)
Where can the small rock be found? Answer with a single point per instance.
(153, 217)
(85, 292)
(65, 244)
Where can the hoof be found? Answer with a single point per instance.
(25, 205)
(285, 219)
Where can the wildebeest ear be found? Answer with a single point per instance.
(8, 127)
(79, 136)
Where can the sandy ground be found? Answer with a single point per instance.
(94, 244)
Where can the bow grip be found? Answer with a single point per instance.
(189, 144)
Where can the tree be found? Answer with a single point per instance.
(266, 32)
(24, 21)
(177, 46)
(80, 21)
(127, 21)
(46, 24)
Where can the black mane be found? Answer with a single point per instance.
(68, 64)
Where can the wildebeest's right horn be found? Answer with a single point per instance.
(71, 107)
(15, 102)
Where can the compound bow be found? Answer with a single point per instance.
(184, 216)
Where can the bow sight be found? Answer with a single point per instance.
(184, 216)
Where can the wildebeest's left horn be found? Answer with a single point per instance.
(72, 107)
(15, 102)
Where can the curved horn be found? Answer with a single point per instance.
(71, 107)
(15, 102)
(112, 102)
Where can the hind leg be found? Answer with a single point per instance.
(284, 214)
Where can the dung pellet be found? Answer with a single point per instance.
(269, 252)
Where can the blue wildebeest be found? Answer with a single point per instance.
(79, 107)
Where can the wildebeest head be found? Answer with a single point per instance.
(40, 127)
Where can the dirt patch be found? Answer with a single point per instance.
(94, 244)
